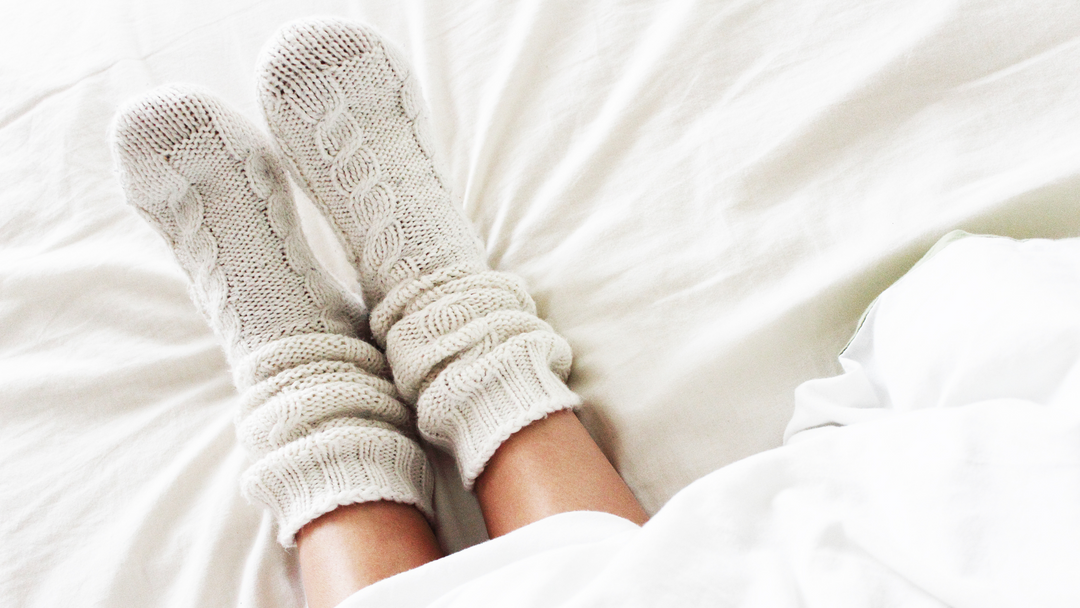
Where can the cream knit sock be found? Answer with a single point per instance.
(318, 416)
(463, 341)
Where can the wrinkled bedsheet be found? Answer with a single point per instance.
(703, 196)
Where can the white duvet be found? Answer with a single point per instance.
(942, 468)
(703, 195)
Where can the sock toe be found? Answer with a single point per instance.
(302, 49)
(319, 41)
(163, 119)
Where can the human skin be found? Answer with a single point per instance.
(551, 466)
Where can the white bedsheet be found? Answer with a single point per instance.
(702, 195)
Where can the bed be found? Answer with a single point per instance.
(703, 196)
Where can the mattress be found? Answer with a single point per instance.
(703, 197)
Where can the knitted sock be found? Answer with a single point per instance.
(462, 340)
(318, 416)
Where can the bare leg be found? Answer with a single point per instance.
(551, 466)
(354, 546)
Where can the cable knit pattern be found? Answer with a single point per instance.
(348, 116)
(318, 415)
(463, 341)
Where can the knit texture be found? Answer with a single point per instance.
(464, 342)
(318, 415)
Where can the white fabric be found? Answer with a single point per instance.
(702, 196)
(966, 494)
(1010, 311)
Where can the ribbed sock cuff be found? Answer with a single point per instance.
(325, 429)
(472, 407)
(345, 465)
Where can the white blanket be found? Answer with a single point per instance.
(941, 469)
(703, 196)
